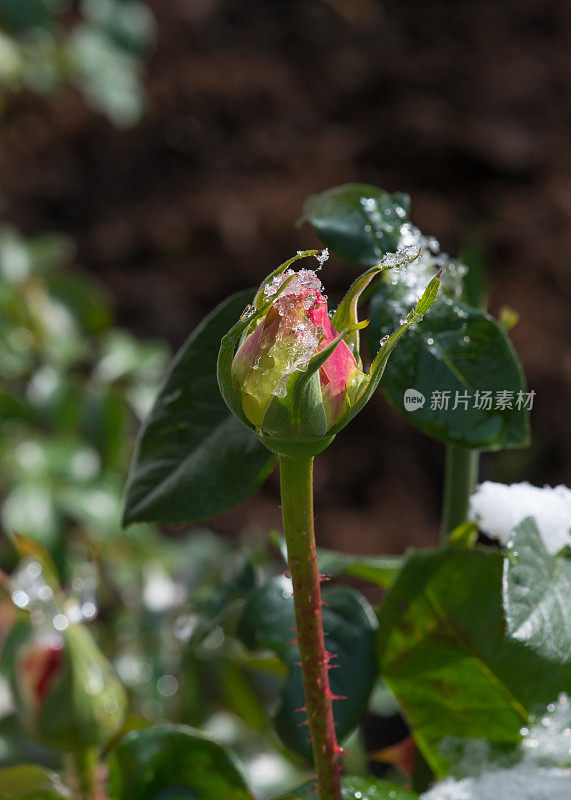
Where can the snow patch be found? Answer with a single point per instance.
(498, 508)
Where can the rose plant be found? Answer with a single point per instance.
(470, 641)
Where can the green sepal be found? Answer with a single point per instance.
(302, 417)
(428, 296)
(279, 270)
(380, 361)
(299, 417)
(301, 379)
(346, 312)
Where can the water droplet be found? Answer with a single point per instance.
(167, 685)
(20, 598)
(60, 622)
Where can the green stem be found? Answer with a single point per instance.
(296, 481)
(84, 766)
(460, 478)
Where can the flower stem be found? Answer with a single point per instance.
(84, 767)
(460, 478)
(296, 481)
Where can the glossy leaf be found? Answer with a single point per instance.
(454, 352)
(444, 652)
(268, 623)
(194, 459)
(537, 594)
(360, 223)
(174, 761)
(30, 782)
(356, 789)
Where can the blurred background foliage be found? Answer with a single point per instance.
(96, 45)
(74, 390)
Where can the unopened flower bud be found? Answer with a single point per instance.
(296, 327)
(292, 373)
(69, 695)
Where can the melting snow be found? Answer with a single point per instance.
(544, 772)
(498, 508)
(522, 782)
(300, 335)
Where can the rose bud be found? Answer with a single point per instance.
(292, 373)
(69, 696)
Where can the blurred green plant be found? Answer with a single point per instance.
(45, 44)
(73, 391)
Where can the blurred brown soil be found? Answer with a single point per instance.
(254, 106)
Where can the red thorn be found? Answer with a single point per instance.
(301, 724)
(302, 708)
(336, 696)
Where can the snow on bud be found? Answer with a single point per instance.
(295, 328)
(293, 374)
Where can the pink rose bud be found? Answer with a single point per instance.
(293, 374)
(296, 327)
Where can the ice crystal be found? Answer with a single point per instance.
(297, 338)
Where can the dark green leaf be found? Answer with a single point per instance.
(537, 594)
(356, 789)
(174, 761)
(360, 223)
(268, 623)
(30, 782)
(457, 350)
(445, 654)
(194, 459)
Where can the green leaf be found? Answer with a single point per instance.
(174, 761)
(30, 782)
(379, 570)
(537, 594)
(444, 652)
(360, 223)
(458, 350)
(355, 789)
(194, 459)
(268, 623)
